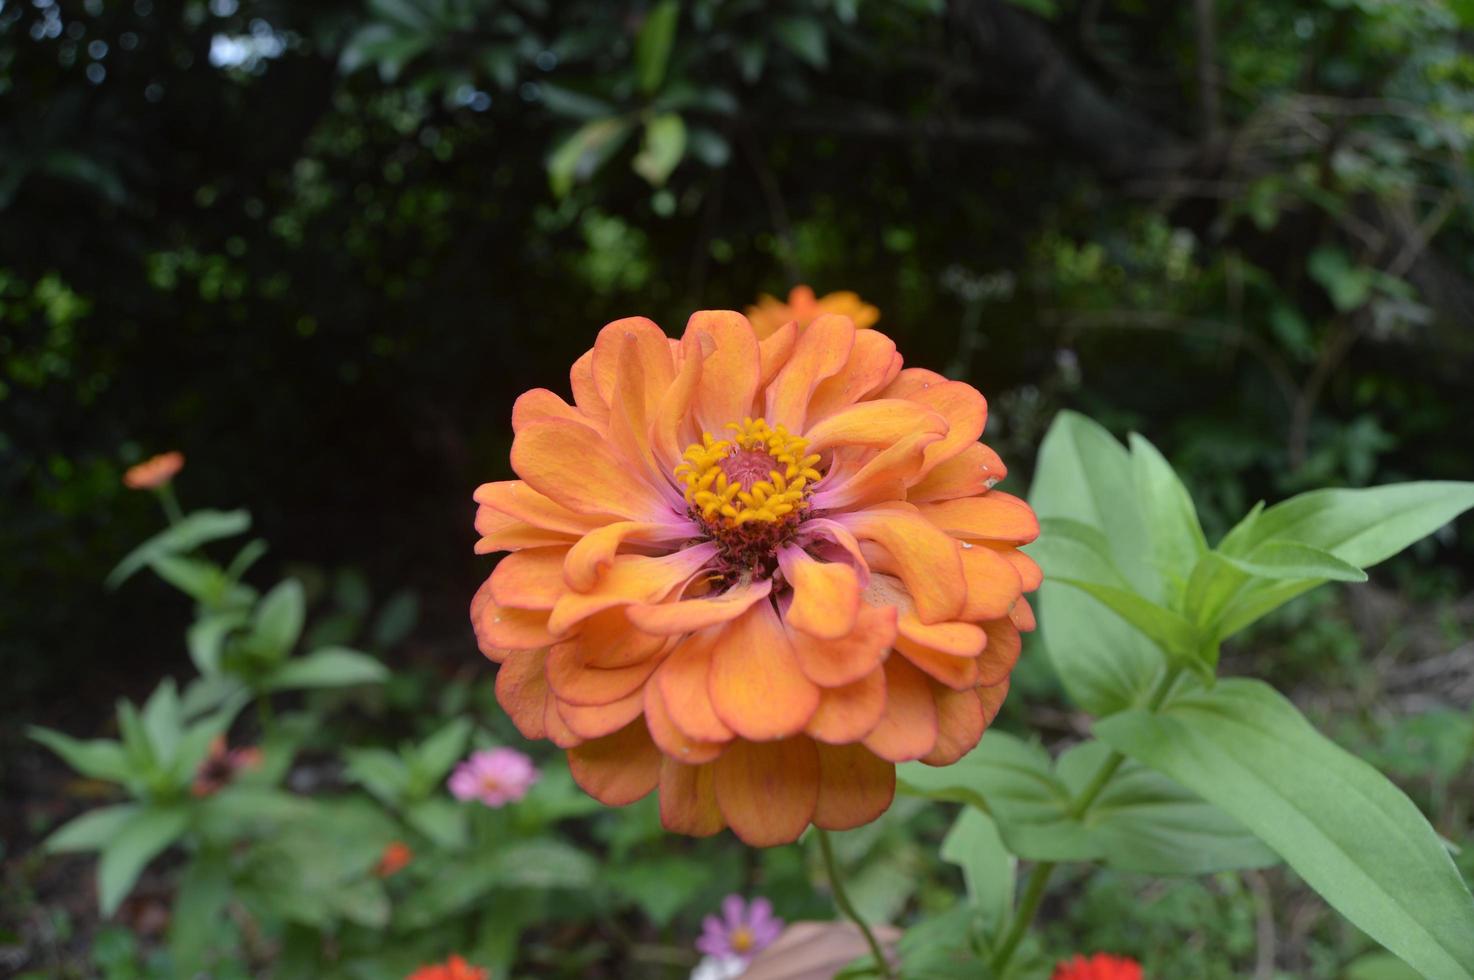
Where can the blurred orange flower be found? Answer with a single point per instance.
(755, 574)
(1101, 966)
(454, 968)
(803, 308)
(396, 856)
(221, 767)
(154, 472)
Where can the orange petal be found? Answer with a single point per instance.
(995, 516)
(596, 721)
(855, 786)
(826, 595)
(688, 799)
(592, 555)
(540, 404)
(630, 579)
(1029, 573)
(730, 367)
(630, 413)
(558, 731)
(1022, 615)
(908, 729)
(690, 615)
(977, 469)
(966, 412)
(514, 535)
(992, 699)
(531, 579)
(652, 351)
(672, 742)
(1001, 653)
(910, 381)
(831, 663)
(575, 466)
(928, 561)
(767, 790)
(958, 673)
(821, 351)
(617, 769)
(849, 713)
(498, 628)
(884, 476)
(522, 691)
(756, 685)
(960, 724)
(585, 393)
(608, 640)
(518, 500)
(953, 638)
(774, 351)
(684, 680)
(992, 583)
(878, 424)
(574, 681)
(672, 428)
(872, 364)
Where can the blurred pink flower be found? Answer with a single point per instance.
(496, 777)
(744, 929)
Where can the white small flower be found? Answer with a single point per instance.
(719, 968)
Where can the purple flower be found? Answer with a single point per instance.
(496, 777)
(744, 930)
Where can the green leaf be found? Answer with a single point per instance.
(1348, 286)
(662, 887)
(92, 830)
(804, 36)
(146, 833)
(201, 580)
(1086, 478)
(537, 864)
(1351, 834)
(653, 46)
(95, 759)
(199, 528)
(1280, 560)
(581, 155)
(434, 757)
(279, 619)
(988, 869)
(204, 891)
(1176, 536)
(1176, 637)
(441, 820)
(163, 721)
(663, 147)
(395, 620)
(206, 639)
(1380, 966)
(379, 771)
(330, 667)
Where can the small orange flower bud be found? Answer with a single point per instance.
(154, 472)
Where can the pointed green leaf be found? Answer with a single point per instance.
(95, 759)
(653, 45)
(92, 830)
(988, 869)
(279, 619)
(137, 842)
(1350, 833)
(1280, 560)
(1176, 537)
(199, 528)
(329, 667)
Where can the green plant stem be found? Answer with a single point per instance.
(1039, 877)
(170, 503)
(264, 714)
(831, 867)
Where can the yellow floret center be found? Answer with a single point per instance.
(759, 473)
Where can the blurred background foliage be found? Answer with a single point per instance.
(321, 248)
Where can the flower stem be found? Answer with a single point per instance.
(1079, 806)
(170, 503)
(836, 883)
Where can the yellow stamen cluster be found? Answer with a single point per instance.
(716, 494)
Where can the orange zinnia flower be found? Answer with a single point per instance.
(397, 855)
(154, 472)
(754, 574)
(1101, 966)
(803, 308)
(454, 968)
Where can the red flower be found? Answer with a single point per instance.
(396, 855)
(454, 968)
(1101, 966)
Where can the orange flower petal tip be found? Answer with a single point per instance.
(1101, 966)
(454, 968)
(752, 575)
(769, 313)
(154, 472)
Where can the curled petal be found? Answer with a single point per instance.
(961, 722)
(877, 424)
(592, 555)
(884, 477)
(595, 721)
(576, 467)
(832, 663)
(826, 595)
(516, 499)
(850, 712)
(912, 381)
(966, 412)
(959, 673)
(689, 615)
(730, 367)
(908, 729)
(531, 579)
(1031, 576)
(539, 405)
(688, 799)
(574, 681)
(609, 640)
(1022, 615)
(617, 769)
(992, 698)
(995, 516)
(774, 351)
(630, 579)
(756, 685)
(1001, 653)
(927, 560)
(821, 351)
(993, 583)
(872, 364)
(501, 628)
(522, 691)
(767, 791)
(977, 469)
(651, 349)
(672, 742)
(954, 639)
(855, 786)
(585, 392)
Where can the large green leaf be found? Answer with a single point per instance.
(1176, 536)
(1142, 822)
(91, 830)
(1085, 480)
(279, 620)
(1351, 834)
(96, 759)
(988, 869)
(200, 527)
(137, 842)
(332, 667)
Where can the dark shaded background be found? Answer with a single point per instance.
(321, 247)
